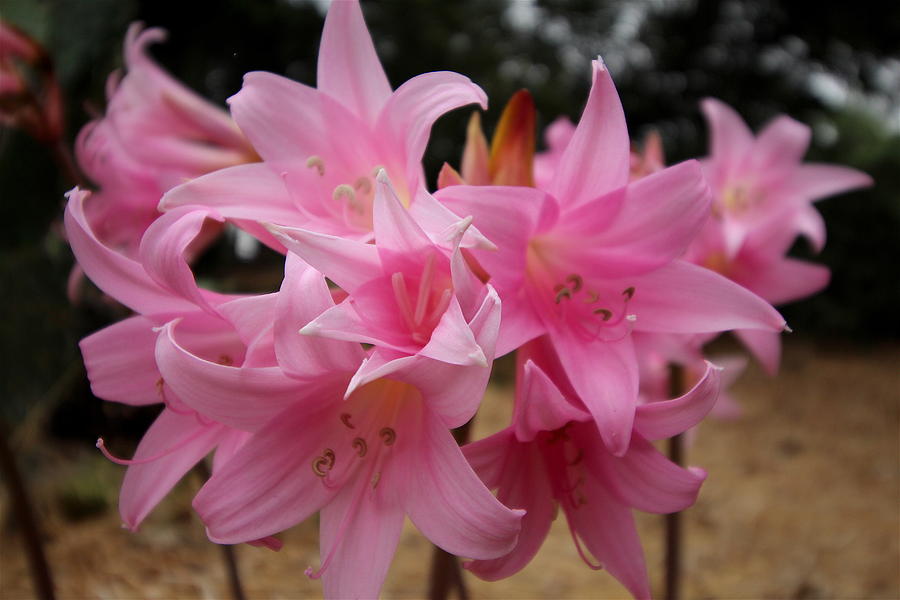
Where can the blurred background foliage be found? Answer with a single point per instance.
(835, 66)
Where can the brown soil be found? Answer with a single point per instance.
(802, 501)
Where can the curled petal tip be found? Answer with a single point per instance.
(382, 176)
(787, 329)
(478, 358)
(698, 472)
(309, 329)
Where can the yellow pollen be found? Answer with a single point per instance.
(324, 463)
(317, 163)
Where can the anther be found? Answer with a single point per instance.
(604, 313)
(324, 463)
(345, 419)
(563, 293)
(344, 190)
(360, 446)
(363, 184)
(575, 280)
(628, 293)
(317, 163)
(375, 479)
(591, 297)
(388, 436)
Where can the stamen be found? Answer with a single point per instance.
(363, 184)
(591, 297)
(603, 312)
(388, 436)
(563, 292)
(441, 306)
(628, 293)
(344, 190)
(575, 280)
(345, 419)
(360, 446)
(324, 463)
(318, 163)
(424, 290)
(375, 479)
(581, 552)
(101, 445)
(399, 285)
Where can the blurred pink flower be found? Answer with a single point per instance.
(156, 134)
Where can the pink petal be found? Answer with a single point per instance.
(448, 503)
(346, 262)
(343, 323)
(787, 280)
(524, 485)
(304, 295)
(253, 319)
(813, 181)
(520, 324)
(488, 456)
(120, 277)
(269, 485)
(765, 346)
(780, 146)
(811, 225)
(243, 398)
(163, 249)
(359, 536)
(250, 192)
(348, 68)
(541, 406)
(664, 419)
(280, 117)
(685, 298)
(399, 239)
(647, 480)
(605, 375)
(440, 223)
(609, 533)
(661, 214)
(597, 159)
(232, 441)
(730, 138)
(120, 362)
(407, 117)
(453, 342)
(146, 484)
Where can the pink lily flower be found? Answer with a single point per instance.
(363, 455)
(156, 134)
(596, 257)
(404, 294)
(322, 147)
(121, 362)
(552, 455)
(756, 180)
(557, 137)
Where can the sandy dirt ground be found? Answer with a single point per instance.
(802, 501)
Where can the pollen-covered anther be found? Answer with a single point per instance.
(360, 446)
(314, 162)
(344, 190)
(363, 184)
(561, 293)
(324, 463)
(388, 436)
(628, 293)
(345, 419)
(604, 313)
(590, 297)
(575, 281)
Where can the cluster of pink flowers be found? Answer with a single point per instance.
(338, 396)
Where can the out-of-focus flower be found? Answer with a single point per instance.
(597, 257)
(156, 134)
(322, 147)
(34, 107)
(552, 455)
(759, 180)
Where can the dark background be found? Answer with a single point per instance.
(835, 66)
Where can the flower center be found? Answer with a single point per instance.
(432, 297)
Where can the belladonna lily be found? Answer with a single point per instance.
(363, 456)
(323, 146)
(405, 295)
(757, 179)
(552, 455)
(593, 257)
(120, 359)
